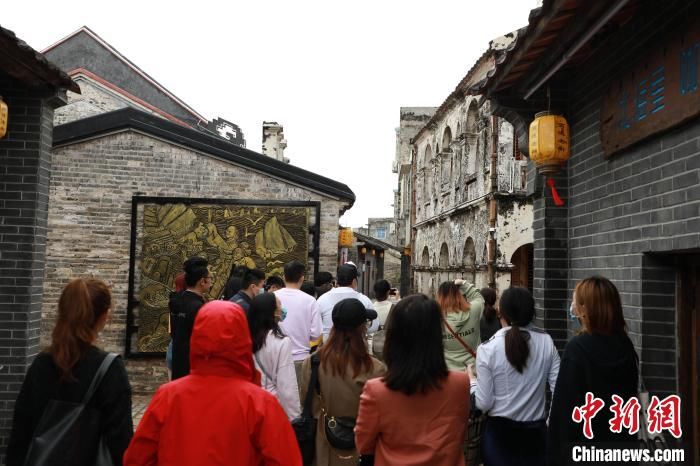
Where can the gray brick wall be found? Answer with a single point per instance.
(24, 185)
(626, 212)
(92, 184)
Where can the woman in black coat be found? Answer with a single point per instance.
(65, 370)
(600, 360)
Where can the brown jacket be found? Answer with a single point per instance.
(416, 430)
(341, 397)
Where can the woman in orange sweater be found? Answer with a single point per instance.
(416, 415)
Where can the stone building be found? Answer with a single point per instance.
(411, 120)
(110, 81)
(122, 158)
(32, 88)
(471, 217)
(273, 141)
(624, 74)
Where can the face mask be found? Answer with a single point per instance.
(261, 291)
(573, 317)
(284, 314)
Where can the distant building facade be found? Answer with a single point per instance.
(273, 141)
(471, 217)
(411, 120)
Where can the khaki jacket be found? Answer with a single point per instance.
(341, 396)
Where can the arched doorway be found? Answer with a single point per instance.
(469, 260)
(522, 273)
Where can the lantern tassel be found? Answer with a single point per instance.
(558, 201)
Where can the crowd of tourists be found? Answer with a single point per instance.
(283, 371)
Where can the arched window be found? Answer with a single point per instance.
(446, 138)
(444, 256)
(428, 174)
(472, 117)
(425, 257)
(469, 260)
(472, 126)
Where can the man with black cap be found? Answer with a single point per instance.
(347, 282)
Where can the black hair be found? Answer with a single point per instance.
(413, 350)
(261, 319)
(274, 280)
(252, 276)
(293, 271)
(518, 309)
(489, 295)
(323, 278)
(346, 274)
(309, 288)
(381, 290)
(235, 280)
(195, 269)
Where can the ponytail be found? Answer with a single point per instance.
(517, 349)
(518, 308)
(82, 304)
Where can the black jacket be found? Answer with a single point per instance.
(604, 366)
(242, 299)
(183, 310)
(42, 383)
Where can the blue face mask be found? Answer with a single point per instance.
(284, 314)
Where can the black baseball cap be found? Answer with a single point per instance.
(351, 313)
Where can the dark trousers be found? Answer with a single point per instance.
(511, 443)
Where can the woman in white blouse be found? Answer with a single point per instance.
(272, 352)
(512, 369)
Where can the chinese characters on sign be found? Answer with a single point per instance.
(659, 92)
(661, 415)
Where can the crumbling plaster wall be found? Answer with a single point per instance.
(451, 197)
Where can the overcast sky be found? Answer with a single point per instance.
(334, 74)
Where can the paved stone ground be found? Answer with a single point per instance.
(138, 406)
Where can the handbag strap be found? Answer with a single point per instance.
(306, 411)
(459, 339)
(267, 374)
(99, 375)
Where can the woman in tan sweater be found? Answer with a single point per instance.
(345, 366)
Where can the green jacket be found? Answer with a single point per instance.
(466, 325)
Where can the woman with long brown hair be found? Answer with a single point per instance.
(462, 305)
(601, 360)
(344, 365)
(65, 370)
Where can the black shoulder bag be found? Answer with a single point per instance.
(69, 433)
(305, 425)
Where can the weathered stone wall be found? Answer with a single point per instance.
(92, 184)
(453, 180)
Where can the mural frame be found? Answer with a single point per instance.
(137, 200)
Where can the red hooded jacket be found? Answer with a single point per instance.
(217, 415)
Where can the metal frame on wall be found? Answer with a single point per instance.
(133, 301)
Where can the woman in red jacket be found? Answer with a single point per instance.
(416, 415)
(216, 415)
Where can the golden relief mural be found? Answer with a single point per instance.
(263, 237)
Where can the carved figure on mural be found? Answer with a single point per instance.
(262, 237)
